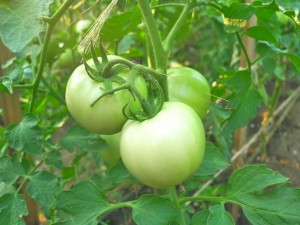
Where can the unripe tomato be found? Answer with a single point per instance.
(190, 87)
(111, 153)
(105, 117)
(165, 150)
(82, 26)
(67, 60)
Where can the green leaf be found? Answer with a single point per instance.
(43, 187)
(119, 25)
(12, 208)
(153, 209)
(81, 140)
(264, 196)
(261, 33)
(278, 206)
(241, 11)
(218, 215)
(246, 110)
(10, 170)
(26, 136)
(6, 188)
(236, 15)
(253, 178)
(81, 205)
(214, 160)
(6, 85)
(200, 218)
(268, 49)
(54, 158)
(21, 21)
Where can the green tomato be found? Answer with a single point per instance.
(82, 26)
(111, 153)
(67, 60)
(106, 116)
(165, 150)
(190, 87)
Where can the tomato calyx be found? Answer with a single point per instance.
(109, 71)
(150, 106)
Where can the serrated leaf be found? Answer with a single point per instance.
(261, 33)
(21, 21)
(264, 195)
(81, 205)
(43, 187)
(26, 136)
(54, 158)
(12, 208)
(153, 209)
(241, 115)
(253, 178)
(268, 49)
(278, 206)
(218, 215)
(200, 218)
(214, 160)
(10, 170)
(82, 140)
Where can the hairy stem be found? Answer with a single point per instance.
(51, 23)
(159, 53)
(177, 26)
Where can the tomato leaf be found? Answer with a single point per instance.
(21, 21)
(213, 161)
(245, 110)
(119, 25)
(82, 140)
(218, 215)
(153, 209)
(12, 208)
(83, 204)
(268, 49)
(251, 188)
(253, 178)
(10, 170)
(6, 85)
(26, 136)
(201, 217)
(43, 187)
(261, 33)
(278, 206)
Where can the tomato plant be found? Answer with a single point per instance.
(190, 87)
(166, 149)
(105, 116)
(128, 140)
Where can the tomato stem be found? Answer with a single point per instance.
(177, 26)
(51, 23)
(159, 53)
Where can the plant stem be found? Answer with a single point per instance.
(249, 64)
(177, 26)
(158, 50)
(51, 23)
(203, 198)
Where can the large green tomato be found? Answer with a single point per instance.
(190, 87)
(165, 150)
(106, 116)
(111, 153)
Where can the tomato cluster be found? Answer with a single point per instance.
(161, 151)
